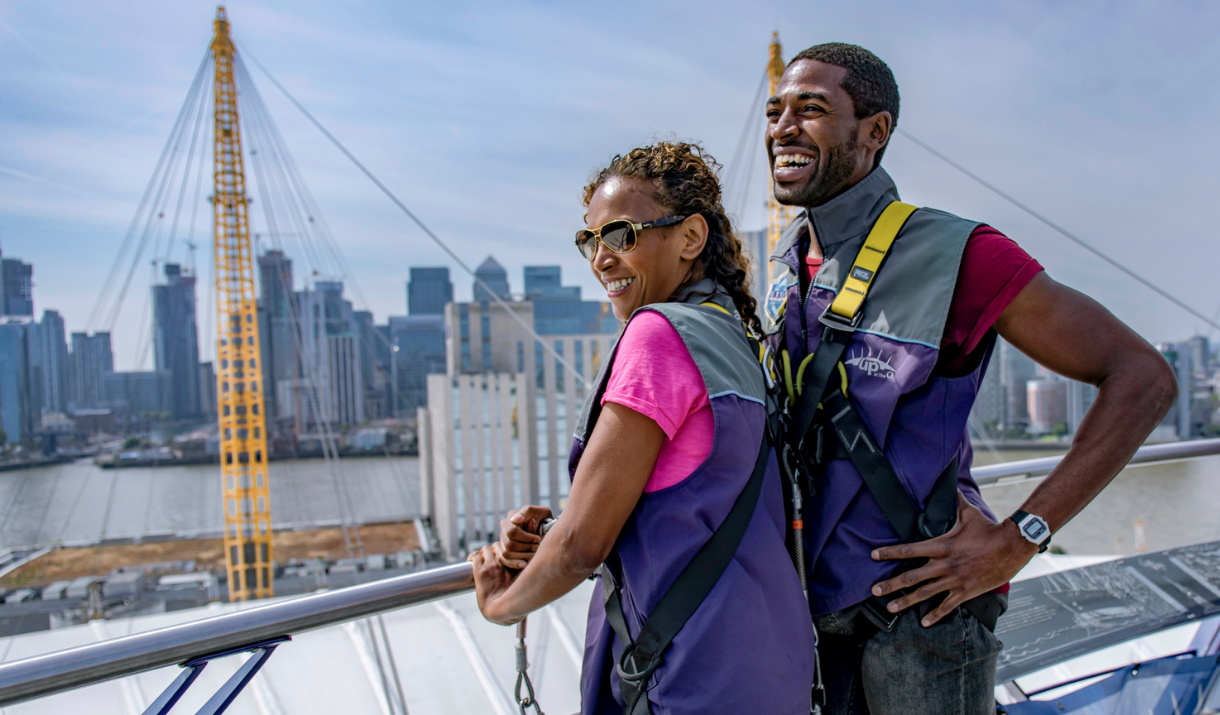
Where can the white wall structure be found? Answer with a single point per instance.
(497, 441)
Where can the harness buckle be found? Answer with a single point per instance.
(636, 677)
(834, 321)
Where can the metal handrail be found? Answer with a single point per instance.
(43, 675)
(62, 670)
(1036, 468)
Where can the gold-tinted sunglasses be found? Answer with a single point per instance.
(619, 235)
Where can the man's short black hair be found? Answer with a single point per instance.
(869, 81)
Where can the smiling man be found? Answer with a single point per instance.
(885, 317)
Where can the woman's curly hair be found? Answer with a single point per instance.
(683, 179)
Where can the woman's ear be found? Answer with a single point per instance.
(693, 232)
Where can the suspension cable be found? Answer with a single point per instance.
(1059, 229)
(733, 176)
(316, 223)
(98, 306)
(418, 222)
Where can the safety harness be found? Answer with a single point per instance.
(822, 424)
(641, 656)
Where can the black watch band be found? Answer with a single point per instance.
(1033, 528)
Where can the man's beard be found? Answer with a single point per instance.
(834, 168)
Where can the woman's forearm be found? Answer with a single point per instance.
(621, 455)
(553, 572)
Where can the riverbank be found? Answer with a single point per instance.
(159, 458)
(204, 554)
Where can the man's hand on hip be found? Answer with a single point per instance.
(976, 556)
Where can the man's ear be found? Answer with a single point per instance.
(875, 131)
(693, 232)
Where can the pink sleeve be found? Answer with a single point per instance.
(655, 375)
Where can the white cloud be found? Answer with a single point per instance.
(487, 120)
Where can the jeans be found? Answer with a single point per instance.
(948, 669)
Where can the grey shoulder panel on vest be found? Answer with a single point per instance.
(910, 297)
(718, 344)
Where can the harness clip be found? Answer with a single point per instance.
(832, 320)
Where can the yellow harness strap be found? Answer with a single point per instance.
(868, 260)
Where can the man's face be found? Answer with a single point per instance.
(813, 136)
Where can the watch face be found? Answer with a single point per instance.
(1034, 529)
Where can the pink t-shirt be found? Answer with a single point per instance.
(655, 375)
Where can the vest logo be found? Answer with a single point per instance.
(861, 274)
(777, 296)
(872, 366)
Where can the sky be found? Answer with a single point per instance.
(487, 119)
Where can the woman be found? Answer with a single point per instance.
(667, 443)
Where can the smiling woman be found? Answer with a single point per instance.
(676, 502)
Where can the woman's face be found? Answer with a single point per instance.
(662, 258)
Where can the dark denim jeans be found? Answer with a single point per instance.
(948, 669)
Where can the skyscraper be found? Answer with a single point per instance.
(330, 388)
(495, 277)
(428, 291)
(558, 309)
(53, 346)
(755, 245)
(91, 359)
(1200, 355)
(367, 337)
(16, 415)
(279, 348)
(417, 350)
(16, 287)
(176, 339)
(546, 283)
(1016, 369)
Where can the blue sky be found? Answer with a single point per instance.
(488, 118)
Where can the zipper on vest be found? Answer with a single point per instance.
(805, 293)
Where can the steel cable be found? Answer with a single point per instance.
(416, 220)
(1059, 229)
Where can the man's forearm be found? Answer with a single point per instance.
(1130, 403)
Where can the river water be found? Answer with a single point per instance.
(1177, 502)
(80, 503)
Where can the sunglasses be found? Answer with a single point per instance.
(620, 235)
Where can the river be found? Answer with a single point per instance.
(79, 503)
(1177, 502)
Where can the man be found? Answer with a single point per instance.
(904, 609)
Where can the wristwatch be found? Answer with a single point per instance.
(1033, 528)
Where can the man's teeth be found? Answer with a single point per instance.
(786, 160)
(618, 285)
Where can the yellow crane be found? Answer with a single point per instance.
(778, 215)
(243, 432)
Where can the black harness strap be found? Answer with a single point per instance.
(879, 476)
(643, 655)
(814, 382)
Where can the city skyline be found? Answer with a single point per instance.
(514, 193)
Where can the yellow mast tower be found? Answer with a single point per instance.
(778, 215)
(243, 434)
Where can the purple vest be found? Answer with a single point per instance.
(918, 418)
(749, 646)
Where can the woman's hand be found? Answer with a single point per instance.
(519, 537)
(491, 580)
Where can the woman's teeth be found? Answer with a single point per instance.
(615, 286)
(787, 160)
